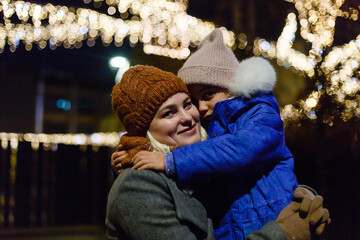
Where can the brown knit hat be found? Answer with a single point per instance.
(212, 64)
(139, 95)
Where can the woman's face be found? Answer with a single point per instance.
(177, 122)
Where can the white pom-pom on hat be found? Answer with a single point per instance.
(254, 75)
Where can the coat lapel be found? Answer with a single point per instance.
(188, 208)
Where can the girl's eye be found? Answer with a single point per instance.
(208, 95)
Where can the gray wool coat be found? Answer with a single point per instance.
(146, 205)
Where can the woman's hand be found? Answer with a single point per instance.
(304, 217)
(311, 206)
(149, 160)
(116, 159)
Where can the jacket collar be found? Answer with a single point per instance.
(231, 109)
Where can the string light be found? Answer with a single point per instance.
(166, 29)
(163, 27)
(340, 67)
(50, 141)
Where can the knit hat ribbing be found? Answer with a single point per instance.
(212, 64)
(139, 95)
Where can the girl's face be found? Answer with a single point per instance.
(205, 98)
(177, 122)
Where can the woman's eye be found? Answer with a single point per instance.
(168, 114)
(188, 105)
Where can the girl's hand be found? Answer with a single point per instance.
(116, 159)
(149, 160)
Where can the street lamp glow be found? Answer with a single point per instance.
(122, 64)
(119, 62)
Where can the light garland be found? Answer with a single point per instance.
(340, 67)
(51, 141)
(114, 3)
(163, 27)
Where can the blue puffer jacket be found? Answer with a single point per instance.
(247, 168)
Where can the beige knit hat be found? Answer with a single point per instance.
(216, 65)
(140, 93)
(212, 64)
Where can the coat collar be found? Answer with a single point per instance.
(195, 214)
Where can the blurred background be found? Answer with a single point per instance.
(60, 59)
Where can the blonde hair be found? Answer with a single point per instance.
(161, 147)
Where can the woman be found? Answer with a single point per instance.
(157, 113)
(145, 204)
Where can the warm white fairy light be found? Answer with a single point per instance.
(52, 140)
(166, 29)
(317, 26)
(282, 49)
(126, 2)
(159, 23)
(341, 66)
(317, 20)
(347, 56)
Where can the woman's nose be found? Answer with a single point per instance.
(185, 117)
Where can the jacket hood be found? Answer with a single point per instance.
(254, 75)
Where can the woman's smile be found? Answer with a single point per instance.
(177, 122)
(191, 130)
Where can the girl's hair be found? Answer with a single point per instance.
(160, 147)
